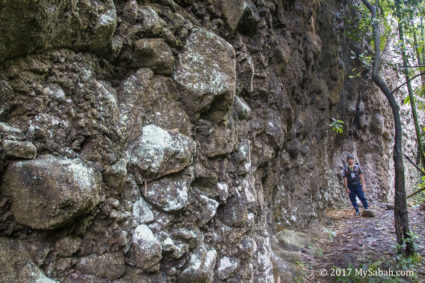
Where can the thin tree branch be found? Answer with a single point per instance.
(403, 84)
(417, 192)
(420, 170)
(417, 66)
(416, 166)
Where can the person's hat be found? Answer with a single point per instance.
(350, 156)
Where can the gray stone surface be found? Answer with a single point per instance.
(207, 70)
(19, 149)
(108, 265)
(169, 193)
(200, 267)
(159, 152)
(50, 191)
(142, 213)
(292, 240)
(226, 266)
(154, 53)
(242, 108)
(234, 212)
(16, 264)
(115, 175)
(26, 28)
(147, 248)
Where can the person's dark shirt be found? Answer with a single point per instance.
(348, 169)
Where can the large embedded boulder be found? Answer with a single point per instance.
(170, 193)
(50, 191)
(155, 54)
(28, 26)
(200, 267)
(147, 248)
(148, 99)
(292, 240)
(216, 138)
(142, 213)
(207, 71)
(241, 14)
(159, 152)
(19, 149)
(226, 266)
(234, 212)
(109, 265)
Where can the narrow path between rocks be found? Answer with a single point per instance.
(347, 240)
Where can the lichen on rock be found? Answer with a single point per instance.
(169, 194)
(159, 152)
(142, 213)
(50, 191)
(147, 248)
(200, 267)
(207, 70)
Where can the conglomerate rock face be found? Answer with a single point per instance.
(155, 141)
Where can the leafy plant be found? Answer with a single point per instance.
(420, 197)
(337, 125)
(360, 274)
(299, 271)
(331, 234)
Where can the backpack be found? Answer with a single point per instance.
(353, 181)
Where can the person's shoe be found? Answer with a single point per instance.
(357, 213)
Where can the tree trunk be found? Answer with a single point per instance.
(409, 83)
(422, 39)
(419, 58)
(420, 61)
(401, 219)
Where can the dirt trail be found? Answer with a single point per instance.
(357, 240)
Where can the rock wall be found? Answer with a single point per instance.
(171, 140)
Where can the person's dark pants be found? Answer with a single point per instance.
(357, 191)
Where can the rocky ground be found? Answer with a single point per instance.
(344, 240)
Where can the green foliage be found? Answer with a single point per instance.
(419, 96)
(330, 233)
(365, 60)
(360, 274)
(337, 125)
(303, 272)
(359, 29)
(357, 22)
(420, 197)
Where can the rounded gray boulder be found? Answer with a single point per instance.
(50, 191)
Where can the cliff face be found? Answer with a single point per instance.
(161, 140)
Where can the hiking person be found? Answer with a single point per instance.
(354, 183)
